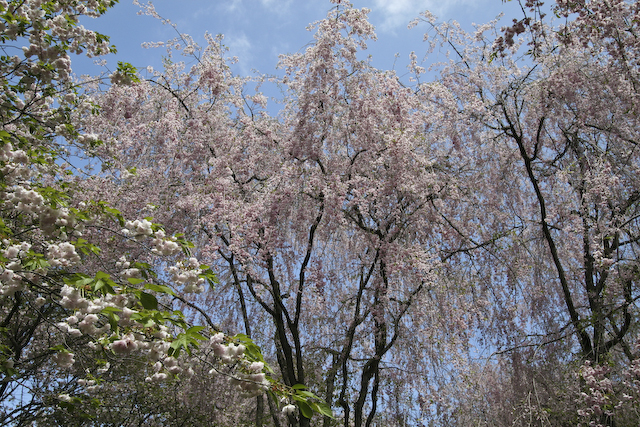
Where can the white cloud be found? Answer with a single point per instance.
(233, 5)
(398, 13)
(274, 6)
(239, 45)
(278, 7)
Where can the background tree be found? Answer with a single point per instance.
(548, 119)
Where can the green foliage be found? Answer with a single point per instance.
(309, 403)
(125, 74)
(186, 341)
(252, 351)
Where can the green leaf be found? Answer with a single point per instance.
(148, 301)
(108, 310)
(159, 288)
(102, 275)
(38, 262)
(85, 247)
(59, 348)
(116, 214)
(299, 387)
(126, 73)
(103, 282)
(306, 393)
(78, 280)
(177, 344)
(322, 408)
(193, 334)
(306, 410)
(113, 318)
(4, 230)
(146, 320)
(252, 351)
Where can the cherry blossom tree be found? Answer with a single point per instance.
(79, 282)
(547, 118)
(324, 223)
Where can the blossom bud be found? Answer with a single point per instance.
(256, 367)
(288, 409)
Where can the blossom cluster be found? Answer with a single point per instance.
(10, 277)
(248, 376)
(88, 298)
(601, 398)
(600, 389)
(163, 246)
(188, 274)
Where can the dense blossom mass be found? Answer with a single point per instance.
(453, 251)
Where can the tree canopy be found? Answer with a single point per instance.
(457, 250)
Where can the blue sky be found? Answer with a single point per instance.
(257, 31)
